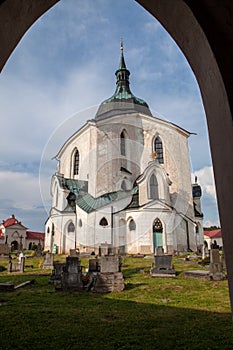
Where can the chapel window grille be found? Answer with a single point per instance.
(157, 225)
(76, 163)
(71, 227)
(103, 222)
(158, 147)
(132, 225)
(122, 140)
(153, 187)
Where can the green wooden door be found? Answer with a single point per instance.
(157, 239)
(157, 234)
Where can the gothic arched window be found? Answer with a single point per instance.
(103, 222)
(157, 225)
(158, 147)
(76, 163)
(153, 187)
(71, 227)
(122, 140)
(132, 225)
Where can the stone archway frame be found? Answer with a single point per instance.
(211, 64)
(16, 17)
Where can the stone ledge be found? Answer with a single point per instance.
(196, 274)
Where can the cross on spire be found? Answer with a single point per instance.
(122, 45)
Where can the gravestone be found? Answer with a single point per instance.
(200, 274)
(107, 249)
(16, 267)
(94, 265)
(22, 264)
(73, 264)
(103, 249)
(163, 262)
(159, 251)
(162, 267)
(57, 272)
(48, 261)
(216, 267)
(112, 250)
(21, 255)
(109, 264)
(71, 278)
(205, 252)
(109, 279)
(74, 253)
(38, 251)
(122, 250)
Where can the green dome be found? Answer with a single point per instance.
(122, 100)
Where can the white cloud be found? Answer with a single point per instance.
(22, 188)
(152, 27)
(20, 195)
(209, 223)
(31, 112)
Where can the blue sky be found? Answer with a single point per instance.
(64, 65)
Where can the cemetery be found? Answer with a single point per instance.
(108, 301)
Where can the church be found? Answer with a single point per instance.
(124, 179)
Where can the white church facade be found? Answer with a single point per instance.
(124, 178)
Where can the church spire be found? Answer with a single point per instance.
(122, 75)
(122, 98)
(122, 64)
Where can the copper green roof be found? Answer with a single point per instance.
(123, 94)
(86, 201)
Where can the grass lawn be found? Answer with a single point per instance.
(151, 313)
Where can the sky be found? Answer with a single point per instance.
(59, 73)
